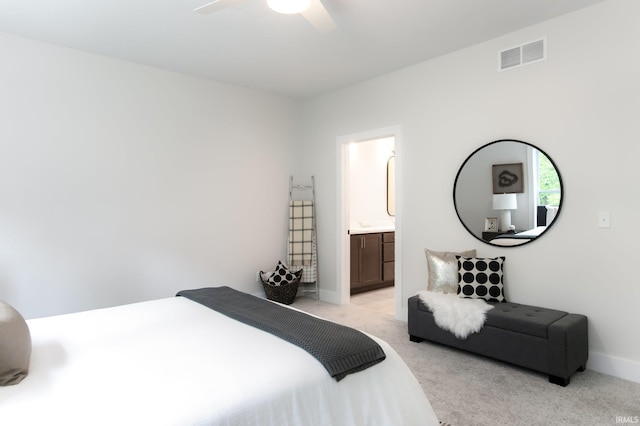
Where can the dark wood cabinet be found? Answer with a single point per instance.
(388, 257)
(372, 261)
(366, 255)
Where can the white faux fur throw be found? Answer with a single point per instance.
(456, 314)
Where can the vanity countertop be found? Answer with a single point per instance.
(373, 229)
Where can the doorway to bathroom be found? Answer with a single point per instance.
(368, 211)
(371, 214)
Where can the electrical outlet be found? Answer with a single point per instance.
(258, 276)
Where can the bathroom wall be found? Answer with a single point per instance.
(368, 183)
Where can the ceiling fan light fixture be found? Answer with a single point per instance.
(289, 6)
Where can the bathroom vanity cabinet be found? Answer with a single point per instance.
(372, 261)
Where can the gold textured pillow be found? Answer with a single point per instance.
(15, 346)
(442, 267)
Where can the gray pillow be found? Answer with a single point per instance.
(15, 346)
(442, 267)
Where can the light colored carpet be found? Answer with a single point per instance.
(465, 389)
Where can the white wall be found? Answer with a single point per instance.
(580, 106)
(368, 181)
(121, 183)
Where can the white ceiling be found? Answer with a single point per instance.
(252, 46)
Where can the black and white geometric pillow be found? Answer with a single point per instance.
(283, 276)
(481, 278)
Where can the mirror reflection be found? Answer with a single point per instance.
(508, 193)
(391, 186)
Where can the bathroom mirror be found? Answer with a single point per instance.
(508, 193)
(391, 186)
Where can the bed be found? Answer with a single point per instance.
(518, 238)
(174, 361)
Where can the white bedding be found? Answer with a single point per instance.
(175, 362)
(523, 237)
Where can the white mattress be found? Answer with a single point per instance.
(175, 362)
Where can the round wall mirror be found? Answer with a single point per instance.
(508, 193)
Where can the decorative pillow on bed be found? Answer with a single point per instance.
(442, 267)
(282, 275)
(15, 346)
(481, 278)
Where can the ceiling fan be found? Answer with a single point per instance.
(313, 10)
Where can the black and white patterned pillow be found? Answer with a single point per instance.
(481, 278)
(283, 276)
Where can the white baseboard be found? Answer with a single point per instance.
(614, 366)
(329, 296)
(402, 314)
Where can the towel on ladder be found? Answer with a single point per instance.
(302, 239)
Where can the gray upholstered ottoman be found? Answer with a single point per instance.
(552, 342)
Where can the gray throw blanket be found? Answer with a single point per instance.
(341, 350)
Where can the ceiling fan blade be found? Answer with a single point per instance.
(318, 16)
(216, 5)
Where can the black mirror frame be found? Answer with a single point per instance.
(455, 185)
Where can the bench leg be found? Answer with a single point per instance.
(559, 380)
(415, 338)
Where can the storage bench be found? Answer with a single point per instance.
(546, 340)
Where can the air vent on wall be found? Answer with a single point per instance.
(524, 54)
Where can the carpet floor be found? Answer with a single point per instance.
(465, 389)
